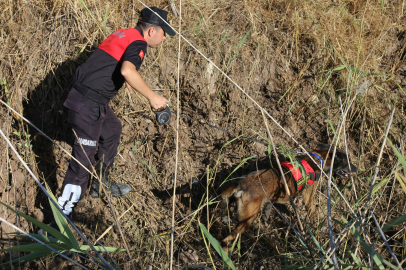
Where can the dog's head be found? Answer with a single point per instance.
(341, 166)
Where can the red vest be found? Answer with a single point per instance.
(117, 43)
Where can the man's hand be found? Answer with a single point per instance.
(158, 102)
(134, 80)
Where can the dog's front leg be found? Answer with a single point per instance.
(267, 211)
(308, 199)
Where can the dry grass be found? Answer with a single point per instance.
(297, 59)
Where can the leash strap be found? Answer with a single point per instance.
(219, 128)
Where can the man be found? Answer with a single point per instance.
(115, 61)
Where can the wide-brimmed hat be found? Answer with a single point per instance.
(148, 16)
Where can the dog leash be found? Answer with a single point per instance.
(219, 128)
(247, 138)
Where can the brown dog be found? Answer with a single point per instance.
(250, 193)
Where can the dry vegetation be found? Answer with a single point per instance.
(300, 60)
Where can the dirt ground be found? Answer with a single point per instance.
(288, 70)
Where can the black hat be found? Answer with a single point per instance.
(148, 16)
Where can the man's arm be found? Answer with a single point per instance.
(134, 79)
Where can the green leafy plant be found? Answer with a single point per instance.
(6, 90)
(61, 240)
(4, 83)
(25, 144)
(217, 246)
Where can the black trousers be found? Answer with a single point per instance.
(96, 127)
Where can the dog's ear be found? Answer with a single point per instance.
(339, 158)
(322, 146)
